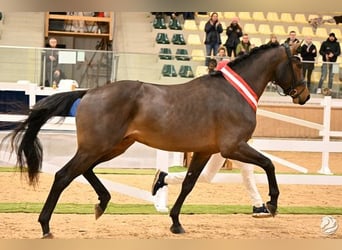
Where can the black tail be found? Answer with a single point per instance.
(24, 140)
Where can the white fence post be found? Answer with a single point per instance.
(326, 103)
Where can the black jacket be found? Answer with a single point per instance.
(213, 33)
(308, 53)
(330, 46)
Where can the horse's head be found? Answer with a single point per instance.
(289, 76)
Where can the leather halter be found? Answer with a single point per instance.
(292, 90)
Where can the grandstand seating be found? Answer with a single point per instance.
(259, 16)
(321, 32)
(190, 24)
(178, 39)
(169, 70)
(250, 28)
(162, 38)
(186, 71)
(159, 23)
(300, 18)
(272, 16)
(194, 39)
(201, 70)
(165, 54)
(286, 17)
(264, 29)
(245, 16)
(229, 15)
(182, 55)
(279, 29)
(307, 31)
(197, 55)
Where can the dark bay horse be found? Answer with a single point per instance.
(205, 115)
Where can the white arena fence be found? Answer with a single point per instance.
(163, 158)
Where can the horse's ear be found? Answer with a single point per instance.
(295, 48)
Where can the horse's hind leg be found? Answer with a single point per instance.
(197, 164)
(100, 189)
(75, 167)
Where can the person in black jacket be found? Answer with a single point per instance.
(213, 29)
(329, 50)
(308, 52)
(234, 32)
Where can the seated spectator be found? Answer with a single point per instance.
(221, 54)
(244, 46)
(212, 63)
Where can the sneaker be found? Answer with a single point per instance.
(261, 212)
(158, 181)
(319, 91)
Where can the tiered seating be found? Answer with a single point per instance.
(169, 70)
(279, 30)
(182, 55)
(197, 55)
(186, 71)
(322, 32)
(229, 15)
(264, 29)
(190, 24)
(272, 17)
(259, 16)
(159, 23)
(307, 31)
(201, 70)
(178, 39)
(286, 17)
(165, 54)
(194, 39)
(245, 16)
(162, 38)
(250, 28)
(300, 18)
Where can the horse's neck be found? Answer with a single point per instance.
(259, 73)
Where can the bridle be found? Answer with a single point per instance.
(291, 91)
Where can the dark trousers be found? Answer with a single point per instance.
(308, 67)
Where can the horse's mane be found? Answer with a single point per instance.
(254, 51)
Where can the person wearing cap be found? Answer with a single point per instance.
(234, 32)
(329, 50)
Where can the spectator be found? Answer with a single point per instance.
(213, 29)
(244, 46)
(292, 38)
(329, 50)
(308, 53)
(234, 32)
(212, 65)
(221, 54)
(214, 164)
(51, 61)
(273, 40)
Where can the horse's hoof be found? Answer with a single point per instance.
(98, 211)
(177, 229)
(47, 236)
(271, 208)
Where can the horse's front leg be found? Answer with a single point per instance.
(246, 153)
(197, 164)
